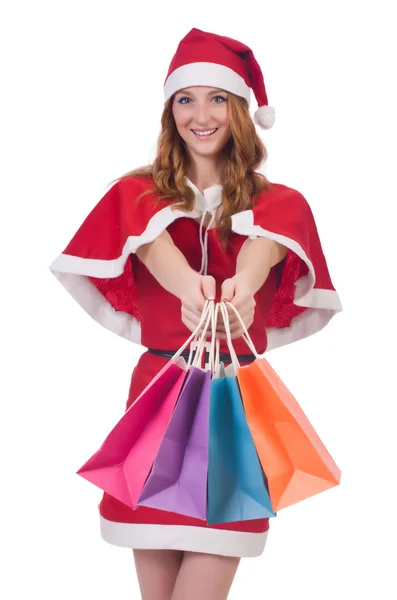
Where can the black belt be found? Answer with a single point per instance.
(223, 356)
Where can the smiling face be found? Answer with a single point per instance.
(202, 120)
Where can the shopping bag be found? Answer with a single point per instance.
(236, 484)
(296, 462)
(178, 480)
(123, 462)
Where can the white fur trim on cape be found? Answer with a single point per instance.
(322, 304)
(181, 537)
(265, 117)
(96, 305)
(73, 272)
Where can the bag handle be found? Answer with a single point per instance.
(213, 346)
(209, 316)
(213, 359)
(225, 316)
(202, 343)
(246, 336)
(204, 315)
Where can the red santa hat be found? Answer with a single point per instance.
(204, 58)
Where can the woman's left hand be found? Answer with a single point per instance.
(237, 291)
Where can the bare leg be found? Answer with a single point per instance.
(157, 571)
(208, 576)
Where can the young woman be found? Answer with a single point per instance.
(200, 222)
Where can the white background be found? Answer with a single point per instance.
(81, 104)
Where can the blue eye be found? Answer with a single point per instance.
(186, 98)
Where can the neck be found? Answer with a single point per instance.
(205, 172)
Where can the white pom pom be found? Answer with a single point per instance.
(264, 117)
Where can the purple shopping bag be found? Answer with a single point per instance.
(178, 480)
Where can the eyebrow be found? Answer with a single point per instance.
(209, 93)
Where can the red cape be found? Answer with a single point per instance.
(95, 271)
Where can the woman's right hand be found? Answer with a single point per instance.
(199, 289)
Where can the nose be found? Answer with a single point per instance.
(202, 114)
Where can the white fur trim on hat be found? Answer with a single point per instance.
(209, 74)
(264, 117)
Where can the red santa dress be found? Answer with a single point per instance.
(100, 269)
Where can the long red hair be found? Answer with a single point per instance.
(242, 155)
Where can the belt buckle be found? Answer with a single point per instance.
(207, 347)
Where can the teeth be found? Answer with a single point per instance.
(209, 132)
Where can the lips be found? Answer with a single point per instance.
(204, 133)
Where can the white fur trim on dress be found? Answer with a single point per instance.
(322, 304)
(206, 73)
(181, 537)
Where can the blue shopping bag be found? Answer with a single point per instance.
(236, 483)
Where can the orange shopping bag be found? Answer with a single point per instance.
(294, 459)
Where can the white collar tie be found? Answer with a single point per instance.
(206, 202)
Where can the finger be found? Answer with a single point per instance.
(230, 313)
(190, 313)
(242, 305)
(221, 336)
(246, 316)
(228, 289)
(236, 334)
(208, 286)
(190, 316)
(189, 324)
(238, 328)
(232, 317)
(192, 324)
(220, 324)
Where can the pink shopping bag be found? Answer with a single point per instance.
(123, 462)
